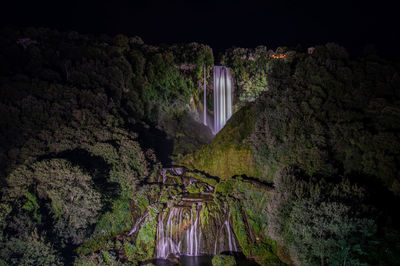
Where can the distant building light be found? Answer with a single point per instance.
(279, 56)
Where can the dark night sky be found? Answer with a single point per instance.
(221, 24)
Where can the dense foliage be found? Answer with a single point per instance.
(326, 134)
(249, 70)
(335, 120)
(326, 113)
(320, 221)
(71, 109)
(307, 169)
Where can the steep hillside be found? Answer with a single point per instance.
(326, 134)
(228, 154)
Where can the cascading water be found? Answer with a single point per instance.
(205, 98)
(138, 222)
(219, 245)
(222, 97)
(180, 231)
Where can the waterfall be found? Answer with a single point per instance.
(178, 171)
(168, 242)
(138, 222)
(222, 97)
(225, 231)
(171, 238)
(180, 232)
(231, 241)
(205, 98)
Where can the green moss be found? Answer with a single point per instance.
(168, 192)
(247, 202)
(92, 245)
(106, 257)
(148, 264)
(193, 188)
(263, 251)
(201, 177)
(141, 201)
(196, 188)
(173, 179)
(239, 227)
(146, 238)
(225, 187)
(244, 188)
(117, 220)
(204, 215)
(223, 260)
(129, 251)
(32, 206)
(82, 262)
(228, 154)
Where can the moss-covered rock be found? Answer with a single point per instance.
(202, 177)
(254, 244)
(145, 241)
(223, 260)
(228, 154)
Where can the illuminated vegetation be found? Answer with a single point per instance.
(308, 165)
(227, 155)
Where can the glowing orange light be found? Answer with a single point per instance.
(279, 56)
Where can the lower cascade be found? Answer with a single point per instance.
(188, 229)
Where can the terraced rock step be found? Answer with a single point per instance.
(204, 197)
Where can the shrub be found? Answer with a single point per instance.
(321, 222)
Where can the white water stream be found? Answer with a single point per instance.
(180, 232)
(223, 89)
